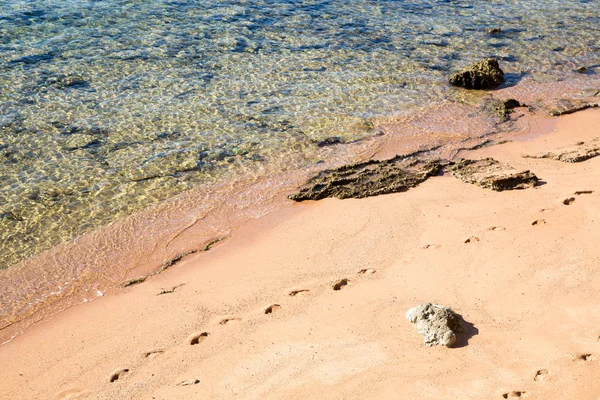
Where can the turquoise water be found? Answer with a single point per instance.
(108, 107)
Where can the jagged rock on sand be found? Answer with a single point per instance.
(492, 174)
(439, 325)
(578, 153)
(485, 74)
(564, 107)
(369, 178)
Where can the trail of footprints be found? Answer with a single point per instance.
(542, 375)
(198, 338)
(538, 222)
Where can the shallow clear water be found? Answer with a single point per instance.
(108, 107)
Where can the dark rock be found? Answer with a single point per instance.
(494, 31)
(330, 141)
(485, 74)
(369, 178)
(582, 70)
(62, 81)
(78, 130)
(505, 107)
(498, 45)
(10, 216)
(34, 59)
(492, 174)
(512, 103)
(439, 325)
(80, 141)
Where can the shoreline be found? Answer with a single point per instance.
(513, 284)
(102, 261)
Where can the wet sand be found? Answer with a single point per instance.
(258, 315)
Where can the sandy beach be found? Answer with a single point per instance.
(258, 316)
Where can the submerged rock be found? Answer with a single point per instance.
(369, 178)
(501, 108)
(580, 152)
(494, 31)
(485, 74)
(330, 141)
(167, 163)
(505, 107)
(80, 141)
(63, 81)
(492, 174)
(439, 325)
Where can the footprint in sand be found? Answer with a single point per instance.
(366, 271)
(119, 374)
(583, 357)
(538, 222)
(432, 246)
(299, 292)
(189, 382)
(272, 308)
(341, 284)
(198, 338)
(514, 394)
(541, 375)
(226, 321)
(472, 239)
(153, 353)
(568, 201)
(497, 228)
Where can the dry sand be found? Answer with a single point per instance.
(527, 281)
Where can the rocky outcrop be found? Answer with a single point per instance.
(492, 174)
(439, 325)
(565, 107)
(580, 152)
(486, 74)
(369, 178)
